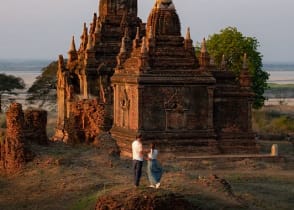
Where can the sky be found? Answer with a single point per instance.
(42, 29)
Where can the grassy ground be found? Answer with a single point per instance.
(275, 85)
(274, 120)
(64, 177)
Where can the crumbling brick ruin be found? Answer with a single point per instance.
(87, 118)
(12, 149)
(22, 129)
(35, 126)
(145, 78)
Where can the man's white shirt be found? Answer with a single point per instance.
(137, 150)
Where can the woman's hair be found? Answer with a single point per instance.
(152, 145)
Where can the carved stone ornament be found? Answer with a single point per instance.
(125, 102)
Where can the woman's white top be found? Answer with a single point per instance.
(153, 154)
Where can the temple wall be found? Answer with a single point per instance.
(230, 115)
(126, 107)
(232, 120)
(172, 108)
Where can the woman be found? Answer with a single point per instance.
(154, 170)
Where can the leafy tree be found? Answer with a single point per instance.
(43, 89)
(232, 44)
(8, 83)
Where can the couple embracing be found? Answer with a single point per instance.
(154, 170)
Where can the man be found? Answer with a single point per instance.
(137, 150)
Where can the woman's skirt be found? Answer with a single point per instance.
(154, 171)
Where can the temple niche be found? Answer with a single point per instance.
(129, 77)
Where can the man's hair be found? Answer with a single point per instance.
(138, 136)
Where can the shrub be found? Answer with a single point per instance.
(273, 122)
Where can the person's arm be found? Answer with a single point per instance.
(148, 155)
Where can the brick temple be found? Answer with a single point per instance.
(130, 77)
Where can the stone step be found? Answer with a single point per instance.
(232, 157)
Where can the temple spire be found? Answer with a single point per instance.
(84, 38)
(164, 4)
(123, 46)
(90, 43)
(144, 61)
(73, 45)
(85, 29)
(122, 56)
(150, 33)
(97, 27)
(188, 35)
(127, 33)
(204, 58)
(136, 41)
(143, 48)
(93, 24)
(245, 77)
(245, 64)
(164, 20)
(223, 63)
(61, 65)
(203, 46)
(72, 53)
(138, 33)
(188, 42)
(90, 60)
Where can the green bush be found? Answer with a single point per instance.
(273, 122)
(273, 114)
(283, 124)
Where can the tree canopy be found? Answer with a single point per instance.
(8, 83)
(43, 90)
(233, 44)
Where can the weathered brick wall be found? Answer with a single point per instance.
(232, 121)
(175, 108)
(231, 115)
(87, 119)
(12, 149)
(22, 128)
(35, 123)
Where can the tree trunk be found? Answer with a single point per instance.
(0, 103)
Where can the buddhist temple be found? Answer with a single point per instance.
(130, 77)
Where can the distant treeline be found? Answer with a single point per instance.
(280, 91)
(278, 66)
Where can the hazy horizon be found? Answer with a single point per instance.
(31, 61)
(45, 32)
